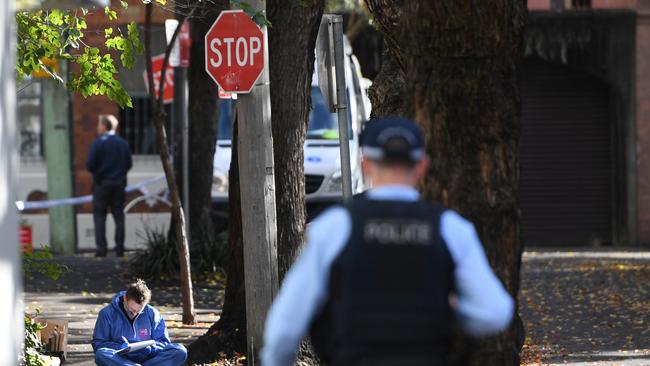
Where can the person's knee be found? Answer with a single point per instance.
(103, 356)
(179, 351)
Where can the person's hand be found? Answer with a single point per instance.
(157, 346)
(125, 343)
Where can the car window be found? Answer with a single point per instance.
(322, 123)
(224, 131)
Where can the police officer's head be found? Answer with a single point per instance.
(393, 152)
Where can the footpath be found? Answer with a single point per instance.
(80, 294)
(580, 308)
(586, 308)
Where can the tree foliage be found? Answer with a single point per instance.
(58, 35)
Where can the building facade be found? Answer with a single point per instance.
(584, 159)
(585, 139)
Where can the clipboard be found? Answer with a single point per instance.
(135, 347)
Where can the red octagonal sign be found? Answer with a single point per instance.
(234, 52)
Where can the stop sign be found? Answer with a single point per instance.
(234, 51)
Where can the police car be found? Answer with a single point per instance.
(323, 180)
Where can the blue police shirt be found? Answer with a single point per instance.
(484, 307)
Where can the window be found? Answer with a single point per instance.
(29, 116)
(136, 126)
(581, 4)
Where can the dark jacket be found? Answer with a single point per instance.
(109, 158)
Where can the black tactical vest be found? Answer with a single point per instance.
(389, 289)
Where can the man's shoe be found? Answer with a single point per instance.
(100, 254)
(119, 253)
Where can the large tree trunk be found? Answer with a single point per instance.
(291, 60)
(388, 91)
(463, 92)
(203, 113)
(228, 335)
(202, 120)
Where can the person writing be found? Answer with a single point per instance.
(384, 276)
(129, 319)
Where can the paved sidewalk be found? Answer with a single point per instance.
(582, 308)
(80, 294)
(586, 308)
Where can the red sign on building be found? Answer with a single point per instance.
(234, 52)
(168, 92)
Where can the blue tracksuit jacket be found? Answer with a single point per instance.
(112, 324)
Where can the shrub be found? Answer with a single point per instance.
(160, 258)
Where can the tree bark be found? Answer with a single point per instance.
(163, 146)
(291, 61)
(388, 91)
(228, 335)
(203, 114)
(462, 90)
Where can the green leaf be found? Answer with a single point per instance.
(55, 17)
(111, 14)
(124, 4)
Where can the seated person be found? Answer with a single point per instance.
(129, 319)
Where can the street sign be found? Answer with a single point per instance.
(234, 52)
(325, 60)
(186, 43)
(175, 54)
(224, 95)
(168, 92)
(180, 54)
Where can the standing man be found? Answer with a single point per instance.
(384, 276)
(128, 319)
(109, 160)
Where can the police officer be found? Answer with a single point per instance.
(383, 277)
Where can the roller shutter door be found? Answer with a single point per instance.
(565, 158)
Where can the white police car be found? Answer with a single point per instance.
(323, 181)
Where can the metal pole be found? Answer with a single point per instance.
(256, 172)
(342, 105)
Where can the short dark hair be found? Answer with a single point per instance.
(138, 292)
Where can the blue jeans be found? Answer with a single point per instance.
(173, 354)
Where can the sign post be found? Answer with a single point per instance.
(330, 66)
(236, 58)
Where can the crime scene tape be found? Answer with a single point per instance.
(35, 205)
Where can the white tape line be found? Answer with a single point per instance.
(37, 205)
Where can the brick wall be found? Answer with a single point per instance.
(85, 111)
(535, 5)
(539, 4)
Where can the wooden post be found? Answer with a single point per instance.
(257, 185)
